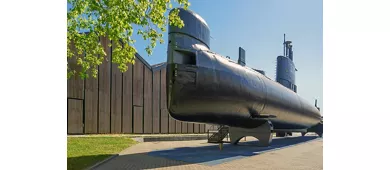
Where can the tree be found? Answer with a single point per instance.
(88, 20)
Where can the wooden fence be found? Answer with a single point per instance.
(116, 102)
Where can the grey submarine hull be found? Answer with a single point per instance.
(205, 87)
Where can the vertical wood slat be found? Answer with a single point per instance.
(148, 116)
(91, 105)
(172, 124)
(105, 89)
(75, 85)
(190, 128)
(75, 116)
(163, 104)
(138, 95)
(202, 128)
(184, 127)
(116, 98)
(138, 83)
(196, 128)
(156, 102)
(171, 121)
(138, 117)
(178, 126)
(164, 120)
(127, 103)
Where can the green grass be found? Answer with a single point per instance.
(84, 152)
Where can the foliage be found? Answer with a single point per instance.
(87, 20)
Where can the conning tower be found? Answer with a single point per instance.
(285, 68)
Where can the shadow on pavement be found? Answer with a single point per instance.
(211, 155)
(207, 155)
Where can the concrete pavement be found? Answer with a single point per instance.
(284, 153)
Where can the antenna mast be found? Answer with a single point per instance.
(284, 46)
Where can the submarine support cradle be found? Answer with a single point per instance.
(318, 129)
(263, 133)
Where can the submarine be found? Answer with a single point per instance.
(206, 87)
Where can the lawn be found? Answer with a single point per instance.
(84, 152)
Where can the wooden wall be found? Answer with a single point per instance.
(116, 102)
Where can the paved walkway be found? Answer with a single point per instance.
(294, 153)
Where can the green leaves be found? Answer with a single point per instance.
(88, 20)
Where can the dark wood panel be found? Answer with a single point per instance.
(156, 102)
(148, 116)
(91, 105)
(164, 121)
(75, 85)
(138, 127)
(163, 105)
(75, 116)
(138, 76)
(178, 126)
(116, 98)
(105, 89)
(202, 128)
(190, 128)
(163, 89)
(172, 124)
(196, 128)
(184, 127)
(127, 119)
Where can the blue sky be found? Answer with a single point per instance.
(258, 26)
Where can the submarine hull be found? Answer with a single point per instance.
(235, 97)
(205, 87)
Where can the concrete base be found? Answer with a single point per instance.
(263, 133)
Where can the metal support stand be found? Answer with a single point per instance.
(263, 133)
(318, 129)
